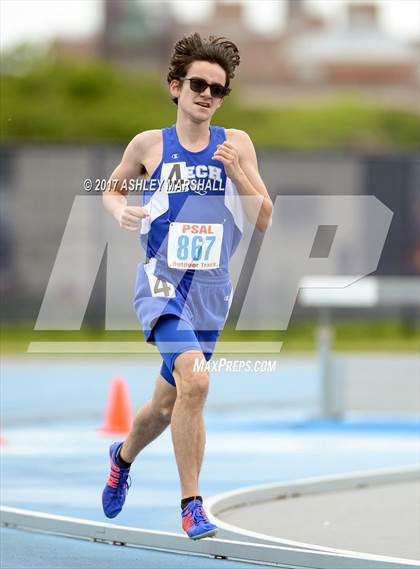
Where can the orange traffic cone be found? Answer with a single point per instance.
(118, 416)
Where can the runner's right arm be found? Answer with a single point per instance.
(114, 197)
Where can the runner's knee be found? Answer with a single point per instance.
(162, 407)
(165, 413)
(193, 379)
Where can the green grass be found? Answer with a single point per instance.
(46, 99)
(349, 336)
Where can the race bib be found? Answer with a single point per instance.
(195, 245)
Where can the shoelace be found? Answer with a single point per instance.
(119, 479)
(199, 515)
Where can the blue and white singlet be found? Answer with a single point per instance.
(195, 226)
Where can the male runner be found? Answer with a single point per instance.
(191, 225)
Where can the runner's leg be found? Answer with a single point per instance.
(207, 340)
(179, 346)
(150, 420)
(188, 430)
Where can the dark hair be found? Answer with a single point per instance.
(195, 48)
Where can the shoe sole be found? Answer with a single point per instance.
(209, 533)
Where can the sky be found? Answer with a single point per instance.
(42, 20)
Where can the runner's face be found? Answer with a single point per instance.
(200, 106)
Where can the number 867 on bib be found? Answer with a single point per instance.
(195, 245)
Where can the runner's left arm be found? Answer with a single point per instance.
(240, 161)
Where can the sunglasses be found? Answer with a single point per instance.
(199, 85)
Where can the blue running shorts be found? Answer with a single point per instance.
(198, 305)
(171, 342)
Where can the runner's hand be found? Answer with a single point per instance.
(129, 217)
(228, 155)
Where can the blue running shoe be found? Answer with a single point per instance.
(115, 491)
(195, 521)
